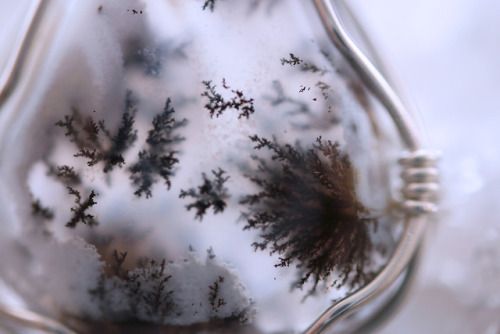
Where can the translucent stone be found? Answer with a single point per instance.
(165, 163)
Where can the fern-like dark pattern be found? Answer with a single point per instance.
(159, 157)
(96, 143)
(79, 211)
(308, 212)
(211, 194)
(217, 105)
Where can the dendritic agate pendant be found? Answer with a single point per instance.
(198, 166)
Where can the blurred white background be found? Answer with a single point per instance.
(447, 55)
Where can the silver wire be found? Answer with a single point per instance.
(32, 320)
(418, 190)
(369, 73)
(10, 74)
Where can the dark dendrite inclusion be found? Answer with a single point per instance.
(102, 147)
(217, 105)
(308, 213)
(209, 4)
(79, 211)
(149, 290)
(96, 143)
(158, 158)
(147, 285)
(212, 193)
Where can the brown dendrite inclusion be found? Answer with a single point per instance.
(308, 213)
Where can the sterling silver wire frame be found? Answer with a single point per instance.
(419, 176)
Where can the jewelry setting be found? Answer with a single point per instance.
(419, 178)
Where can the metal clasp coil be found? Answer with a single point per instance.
(420, 176)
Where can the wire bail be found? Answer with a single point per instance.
(420, 176)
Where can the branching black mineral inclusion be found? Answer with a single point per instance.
(211, 193)
(148, 287)
(213, 297)
(98, 145)
(95, 142)
(79, 211)
(124, 137)
(304, 65)
(308, 213)
(217, 104)
(159, 157)
(210, 4)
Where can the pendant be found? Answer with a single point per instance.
(215, 166)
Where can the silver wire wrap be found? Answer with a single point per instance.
(10, 74)
(32, 320)
(419, 176)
